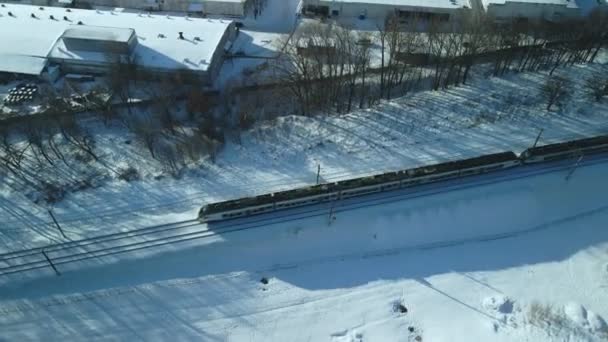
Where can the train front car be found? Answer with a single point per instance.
(565, 150)
(203, 213)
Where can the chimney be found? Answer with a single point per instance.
(66, 18)
(33, 15)
(51, 17)
(181, 35)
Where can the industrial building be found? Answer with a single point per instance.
(235, 8)
(553, 10)
(441, 10)
(36, 40)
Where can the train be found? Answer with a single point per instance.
(330, 192)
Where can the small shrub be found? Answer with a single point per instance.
(556, 90)
(542, 315)
(83, 158)
(52, 193)
(129, 174)
(596, 87)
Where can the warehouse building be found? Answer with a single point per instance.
(548, 10)
(35, 39)
(235, 8)
(441, 10)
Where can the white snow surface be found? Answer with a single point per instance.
(517, 260)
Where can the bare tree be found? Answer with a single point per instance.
(12, 156)
(555, 90)
(314, 66)
(147, 133)
(76, 135)
(169, 157)
(120, 77)
(197, 102)
(597, 87)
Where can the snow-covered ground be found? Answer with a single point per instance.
(489, 115)
(517, 260)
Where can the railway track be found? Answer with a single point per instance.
(190, 230)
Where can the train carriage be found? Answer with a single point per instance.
(566, 150)
(398, 179)
(354, 187)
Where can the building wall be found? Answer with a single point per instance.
(531, 11)
(218, 56)
(375, 10)
(226, 8)
(99, 46)
(209, 7)
(80, 67)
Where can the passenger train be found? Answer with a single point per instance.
(330, 192)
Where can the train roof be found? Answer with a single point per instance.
(573, 144)
(358, 182)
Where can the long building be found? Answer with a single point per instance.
(441, 10)
(235, 8)
(36, 39)
(548, 10)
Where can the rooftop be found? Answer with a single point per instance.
(566, 3)
(21, 64)
(32, 31)
(410, 3)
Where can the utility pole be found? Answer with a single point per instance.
(538, 137)
(318, 173)
(57, 224)
(574, 167)
(332, 216)
(50, 263)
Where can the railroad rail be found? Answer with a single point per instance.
(56, 255)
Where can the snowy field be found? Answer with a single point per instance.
(487, 116)
(516, 260)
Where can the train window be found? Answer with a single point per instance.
(492, 168)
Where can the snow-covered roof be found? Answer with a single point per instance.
(20, 64)
(234, 1)
(158, 44)
(409, 3)
(565, 3)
